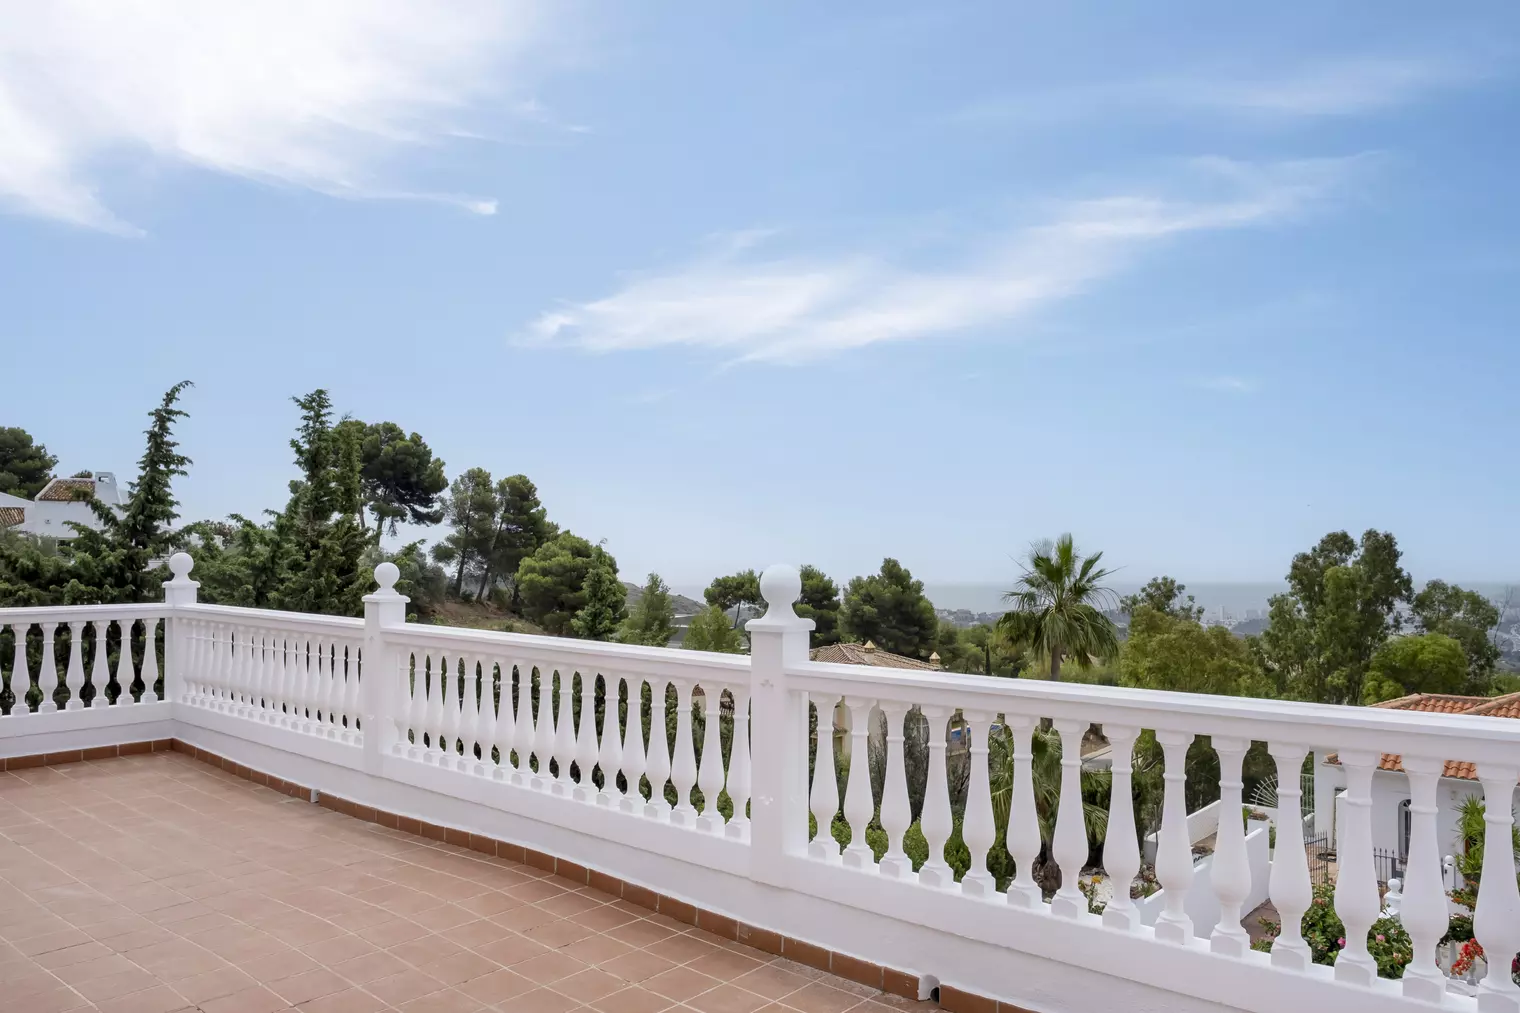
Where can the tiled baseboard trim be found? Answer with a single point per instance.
(80, 755)
(902, 983)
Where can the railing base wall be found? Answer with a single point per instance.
(66, 732)
(820, 932)
(80, 755)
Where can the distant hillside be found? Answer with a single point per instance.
(479, 616)
(683, 605)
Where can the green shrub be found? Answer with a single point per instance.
(1325, 934)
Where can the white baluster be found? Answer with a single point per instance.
(657, 768)
(259, 683)
(421, 706)
(611, 756)
(434, 753)
(1356, 892)
(683, 770)
(543, 730)
(100, 673)
(1290, 888)
(710, 772)
(1496, 922)
(227, 668)
(353, 662)
(1174, 852)
(327, 688)
(21, 677)
(1121, 845)
(564, 734)
(485, 720)
(1069, 845)
(859, 806)
(74, 675)
(469, 714)
(738, 767)
(210, 670)
(977, 827)
(246, 673)
(1423, 909)
(634, 755)
(276, 691)
(896, 812)
(506, 725)
(1023, 819)
(1231, 872)
(449, 694)
(406, 703)
(824, 799)
(522, 773)
(935, 821)
(47, 673)
(126, 671)
(585, 742)
(149, 668)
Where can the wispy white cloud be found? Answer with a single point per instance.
(1227, 384)
(1340, 87)
(790, 309)
(317, 95)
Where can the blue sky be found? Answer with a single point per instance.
(792, 281)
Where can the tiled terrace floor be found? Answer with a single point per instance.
(156, 883)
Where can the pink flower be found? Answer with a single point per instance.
(1341, 941)
(1380, 938)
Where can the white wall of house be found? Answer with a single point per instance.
(52, 518)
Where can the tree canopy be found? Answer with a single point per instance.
(606, 601)
(820, 603)
(25, 465)
(1427, 663)
(1166, 596)
(400, 478)
(520, 526)
(1170, 652)
(1469, 619)
(471, 513)
(1056, 607)
(1340, 607)
(710, 630)
(890, 610)
(736, 590)
(652, 618)
(552, 581)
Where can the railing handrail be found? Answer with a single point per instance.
(632, 658)
(271, 617)
(82, 613)
(1467, 737)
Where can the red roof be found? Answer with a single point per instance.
(1446, 703)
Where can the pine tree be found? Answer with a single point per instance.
(652, 620)
(606, 600)
(324, 539)
(710, 631)
(471, 511)
(521, 526)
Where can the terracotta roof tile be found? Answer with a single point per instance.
(859, 654)
(1446, 703)
(11, 516)
(64, 490)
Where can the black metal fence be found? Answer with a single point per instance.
(1388, 865)
(1321, 857)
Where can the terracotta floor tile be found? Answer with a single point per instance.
(727, 999)
(114, 986)
(350, 1000)
(817, 997)
(461, 966)
(158, 999)
(512, 949)
(680, 983)
(592, 983)
(547, 968)
(213, 984)
(404, 986)
(446, 1001)
(637, 966)
(540, 1000)
(369, 967)
(311, 984)
(496, 986)
(772, 981)
(633, 1000)
(250, 1000)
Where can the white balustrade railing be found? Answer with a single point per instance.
(956, 813)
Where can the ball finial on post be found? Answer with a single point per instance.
(386, 575)
(780, 586)
(180, 564)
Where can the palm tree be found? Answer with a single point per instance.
(1055, 607)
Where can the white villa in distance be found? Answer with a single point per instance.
(57, 504)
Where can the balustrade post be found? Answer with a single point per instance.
(611, 755)
(738, 768)
(1356, 892)
(977, 827)
(1423, 909)
(47, 673)
(179, 590)
(710, 775)
(1174, 853)
(1496, 922)
(1289, 886)
(1069, 846)
(683, 769)
(896, 810)
(73, 675)
(1231, 873)
(779, 748)
(936, 822)
(585, 741)
(1023, 822)
(1121, 846)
